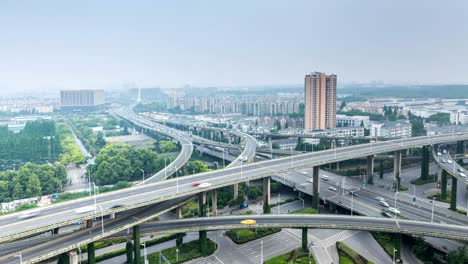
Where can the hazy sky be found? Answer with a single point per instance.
(105, 44)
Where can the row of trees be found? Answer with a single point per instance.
(31, 180)
(71, 153)
(38, 142)
(120, 162)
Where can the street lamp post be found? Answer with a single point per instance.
(261, 251)
(89, 183)
(279, 203)
(352, 203)
(414, 194)
(165, 168)
(292, 157)
(95, 204)
(145, 256)
(396, 193)
(394, 251)
(177, 255)
(20, 256)
(432, 211)
(79, 255)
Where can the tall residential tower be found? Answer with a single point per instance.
(320, 101)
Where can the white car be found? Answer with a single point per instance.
(84, 209)
(394, 210)
(324, 177)
(449, 161)
(29, 214)
(380, 198)
(445, 151)
(462, 174)
(332, 188)
(444, 161)
(439, 154)
(310, 180)
(204, 185)
(303, 173)
(384, 203)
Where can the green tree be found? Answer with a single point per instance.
(458, 256)
(167, 146)
(196, 167)
(33, 186)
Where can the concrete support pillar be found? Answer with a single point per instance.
(370, 169)
(91, 253)
(202, 234)
(266, 195)
(214, 202)
(211, 134)
(89, 223)
(112, 215)
(136, 244)
(453, 196)
(55, 231)
(460, 150)
(304, 239)
(236, 190)
(270, 145)
(178, 212)
(73, 256)
(229, 138)
(315, 188)
(443, 185)
(397, 170)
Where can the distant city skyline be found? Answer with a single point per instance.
(53, 45)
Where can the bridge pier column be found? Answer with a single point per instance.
(236, 190)
(443, 185)
(89, 223)
(211, 134)
(55, 231)
(136, 244)
(453, 196)
(460, 150)
(91, 253)
(112, 216)
(70, 257)
(229, 138)
(202, 234)
(270, 145)
(397, 170)
(370, 169)
(425, 163)
(304, 239)
(214, 202)
(178, 212)
(315, 188)
(266, 195)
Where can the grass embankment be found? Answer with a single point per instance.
(349, 256)
(389, 242)
(242, 236)
(188, 251)
(297, 256)
(438, 195)
(122, 251)
(420, 181)
(306, 211)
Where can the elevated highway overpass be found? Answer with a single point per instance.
(64, 244)
(65, 213)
